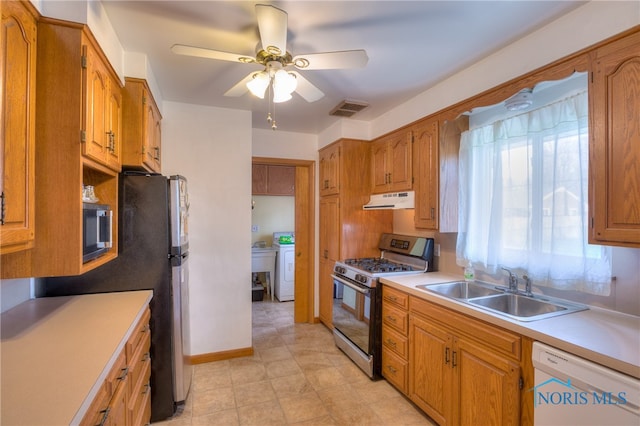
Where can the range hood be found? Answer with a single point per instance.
(393, 201)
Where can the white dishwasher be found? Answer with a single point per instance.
(573, 391)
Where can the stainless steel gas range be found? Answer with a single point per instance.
(357, 299)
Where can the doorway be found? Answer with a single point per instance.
(305, 234)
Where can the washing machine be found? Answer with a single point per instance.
(284, 244)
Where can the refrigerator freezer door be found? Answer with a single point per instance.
(181, 328)
(179, 205)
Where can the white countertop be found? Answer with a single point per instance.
(606, 337)
(57, 351)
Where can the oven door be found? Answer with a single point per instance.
(352, 312)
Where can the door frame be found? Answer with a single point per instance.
(304, 286)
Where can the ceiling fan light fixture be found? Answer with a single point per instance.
(259, 83)
(284, 82)
(279, 97)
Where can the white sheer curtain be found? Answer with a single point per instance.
(523, 198)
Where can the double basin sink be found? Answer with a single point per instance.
(499, 300)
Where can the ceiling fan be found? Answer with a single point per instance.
(272, 53)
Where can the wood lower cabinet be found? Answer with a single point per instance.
(141, 127)
(124, 397)
(458, 370)
(461, 370)
(17, 130)
(395, 343)
(614, 151)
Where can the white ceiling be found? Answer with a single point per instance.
(412, 45)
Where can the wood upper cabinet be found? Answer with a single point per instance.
(267, 179)
(436, 146)
(63, 160)
(17, 131)
(614, 108)
(102, 101)
(141, 127)
(391, 162)
(426, 160)
(330, 170)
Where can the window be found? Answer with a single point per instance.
(523, 198)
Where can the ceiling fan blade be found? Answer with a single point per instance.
(308, 91)
(202, 52)
(240, 87)
(332, 60)
(272, 23)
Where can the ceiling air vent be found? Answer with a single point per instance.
(348, 108)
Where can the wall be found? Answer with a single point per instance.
(582, 27)
(211, 147)
(272, 214)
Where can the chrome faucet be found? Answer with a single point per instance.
(513, 281)
(527, 285)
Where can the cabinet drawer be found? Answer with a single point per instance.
(396, 297)
(395, 318)
(395, 370)
(137, 339)
(138, 364)
(489, 335)
(395, 342)
(140, 402)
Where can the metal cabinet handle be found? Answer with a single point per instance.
(106, 412)
(446, 355)
(454, 359)
(391, 343)
(392, 319)
(391, 369)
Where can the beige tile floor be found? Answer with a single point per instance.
(296, 376)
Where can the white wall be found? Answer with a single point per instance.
(578, 29)
(211, 147)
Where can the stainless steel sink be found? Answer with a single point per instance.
(462, 289)
(525, 308)
(497, 300)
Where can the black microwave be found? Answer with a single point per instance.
(97, 220)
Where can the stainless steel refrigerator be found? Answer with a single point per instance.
(153, 255)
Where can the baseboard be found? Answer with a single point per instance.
(220, 356)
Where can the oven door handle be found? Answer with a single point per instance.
(350, 285)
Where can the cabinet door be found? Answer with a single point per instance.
(426, 167)
(259, 179)
(330, 170)
(487, 386)
(329, 228)
(326, 292)
(281, 180)
(114, 133)
(17, 131)
(430, 369)
(400, 167)
(615, 143)
(96, 101)
(151, 133)
(380, 166)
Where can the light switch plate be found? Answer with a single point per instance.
(254, 228)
